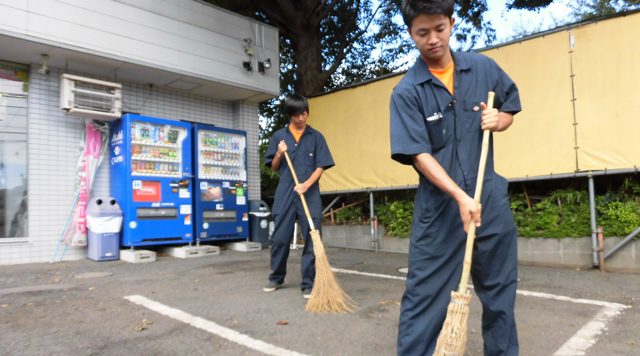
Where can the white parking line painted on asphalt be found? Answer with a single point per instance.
(576, 345)
(586, 336)
(348, 271)
(212, 327)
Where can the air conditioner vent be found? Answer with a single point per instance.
(90, 98)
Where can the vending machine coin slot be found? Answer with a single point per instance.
(219, 216)
(156, 213)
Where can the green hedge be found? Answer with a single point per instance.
(560, 213)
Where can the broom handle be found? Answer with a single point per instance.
(304, 201)
(466, 268)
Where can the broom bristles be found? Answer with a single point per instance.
(453, 337)
(327, 295)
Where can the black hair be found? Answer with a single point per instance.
(296, 105)
(413, 8)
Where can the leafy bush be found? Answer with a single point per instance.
(396, 216)
(350, 216)
(565, 213)
(555, 214)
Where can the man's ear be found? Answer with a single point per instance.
(453, 21)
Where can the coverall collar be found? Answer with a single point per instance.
(307, 130)
(423, 74)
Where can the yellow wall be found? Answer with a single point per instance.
(606, 61)
(541, 139)
(552, 135)
(355, 123)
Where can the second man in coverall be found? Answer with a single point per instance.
(310, 157)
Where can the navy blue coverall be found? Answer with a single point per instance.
(426, 118)
(310, 153)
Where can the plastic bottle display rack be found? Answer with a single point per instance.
(154, 150)
(221, 156)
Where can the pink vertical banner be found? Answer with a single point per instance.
(89, 166)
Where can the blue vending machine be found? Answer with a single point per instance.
(221, 210)
(151, 179)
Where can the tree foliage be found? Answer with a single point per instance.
(586, 9)
(326, 44)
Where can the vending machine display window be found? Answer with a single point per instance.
(156, 149)
(221, 156)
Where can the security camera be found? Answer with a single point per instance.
(264, 65)
(44, 70)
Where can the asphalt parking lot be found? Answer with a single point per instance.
(215, 305)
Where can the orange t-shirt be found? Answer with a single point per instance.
(296, 135)
(445, 76)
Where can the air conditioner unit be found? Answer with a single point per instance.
(90, 98)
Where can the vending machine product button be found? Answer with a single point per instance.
(133, 224)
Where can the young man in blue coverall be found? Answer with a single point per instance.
(310, 157)
(438, 113)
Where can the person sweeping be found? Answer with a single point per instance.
(438, 114)
(310, 155)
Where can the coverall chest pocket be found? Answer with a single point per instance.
(472, 115)
(438, 128)
(309, 160)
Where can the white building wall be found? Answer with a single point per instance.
(181, 36)
(53, 141)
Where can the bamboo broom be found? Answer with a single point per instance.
(453, 336)
(327, 295)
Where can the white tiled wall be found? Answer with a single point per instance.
(54, 138)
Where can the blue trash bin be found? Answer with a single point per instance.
(104, 224)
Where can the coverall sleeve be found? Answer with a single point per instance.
(323, 155)
(271, 150)
(407, 130)
(507, 98)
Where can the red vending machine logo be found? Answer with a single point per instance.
(146, 191)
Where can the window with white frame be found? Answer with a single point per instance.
(13, 150)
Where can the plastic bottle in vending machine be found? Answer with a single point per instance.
(214, 140)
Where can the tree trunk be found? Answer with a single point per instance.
(310, 76)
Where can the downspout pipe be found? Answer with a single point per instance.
(594, 229)
(374, 223)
